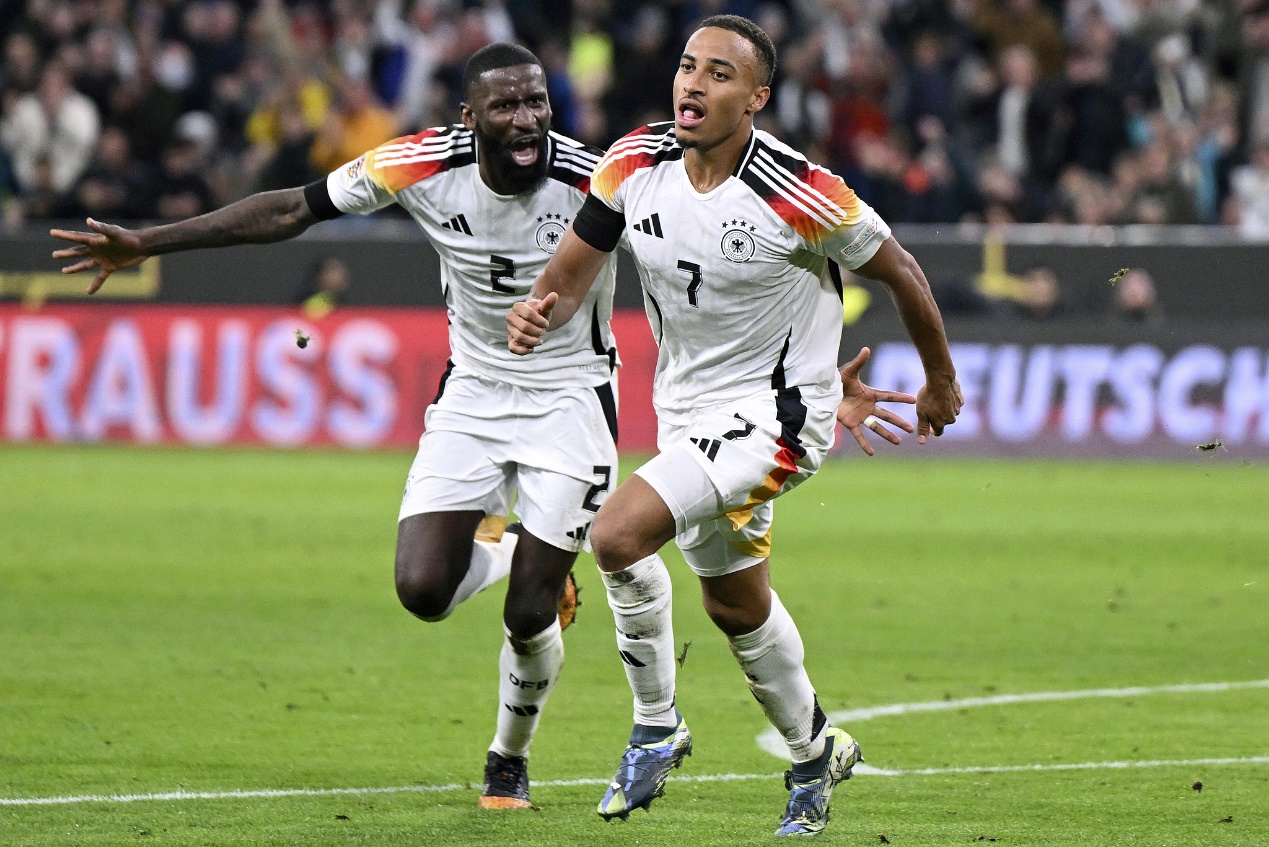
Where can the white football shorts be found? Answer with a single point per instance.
(484, 440)
(719, 473)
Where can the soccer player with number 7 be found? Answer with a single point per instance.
(738, 240)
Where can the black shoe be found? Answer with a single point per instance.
(506, 783)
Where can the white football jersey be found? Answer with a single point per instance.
(741, 284)
(492, 248)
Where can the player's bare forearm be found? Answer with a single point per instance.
(569, 274)
(259, 219)
(940, 400)
(896, 269)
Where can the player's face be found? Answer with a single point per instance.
(510, 114)
(717, 89)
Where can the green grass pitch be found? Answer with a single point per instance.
(183, 621)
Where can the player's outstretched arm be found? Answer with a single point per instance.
(557, 293)
(259, 219)
(859, 409)
(940, 400)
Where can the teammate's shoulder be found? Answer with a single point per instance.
(572, 162)
(645, 147)
(809, 198)
(409, 159)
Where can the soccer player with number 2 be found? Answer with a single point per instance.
(493, 195)
(738, 240)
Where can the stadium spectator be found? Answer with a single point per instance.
(1180, 80)
(292, 162)
(145, 110)
(325, 288)
(1160, 196)
(1249, 199)
(114, 186)
(54, 121)
(1253, 79)
(644, 71)
(424, 41)
(1136, 300)
(1091, 113)
(1011, 23)
(40, 198)
(1040, 299)
(928, 86)
(98, 72)
(1018, 119)
(21, 71)
(356, 124)
(180, 191)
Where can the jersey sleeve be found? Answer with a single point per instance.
(373, 180)
(818, 205)
(642, 148)
(848, 231)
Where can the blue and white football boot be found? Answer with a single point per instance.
(644, 767)
(811, 784)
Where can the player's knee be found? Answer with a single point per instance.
(733, 620)
(614, 548)
(524, 621)
(422, 596)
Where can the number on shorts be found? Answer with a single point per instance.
(740, 432)
(500, 267)
(600, 470)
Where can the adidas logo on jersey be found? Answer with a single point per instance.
(579, 534)
(458, 224)
(650, 226)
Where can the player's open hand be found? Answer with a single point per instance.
(938, 403)
(108, 248)
(527, 323)
(859, 409)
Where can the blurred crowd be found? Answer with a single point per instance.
(999, 111)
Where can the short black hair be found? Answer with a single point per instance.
(752, 33)
(499, 55)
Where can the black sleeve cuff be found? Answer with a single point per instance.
(319, 202)
(598, 225)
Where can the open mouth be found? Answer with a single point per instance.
(524, 151)
(690, 114)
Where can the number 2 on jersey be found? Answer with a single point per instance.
(500, 267)
(694, 271)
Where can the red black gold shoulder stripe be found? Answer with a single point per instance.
(409, 159)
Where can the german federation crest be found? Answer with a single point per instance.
(738, 244)
(551, 232)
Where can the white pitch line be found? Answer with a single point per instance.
(867, 770)
(771, 742)
(860, 770)
(855, 715)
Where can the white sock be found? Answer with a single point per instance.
(490, 562)
(640, 598)
(771, 657)
(529, 669)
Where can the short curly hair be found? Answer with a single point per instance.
(499, 55)
(754, 34)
